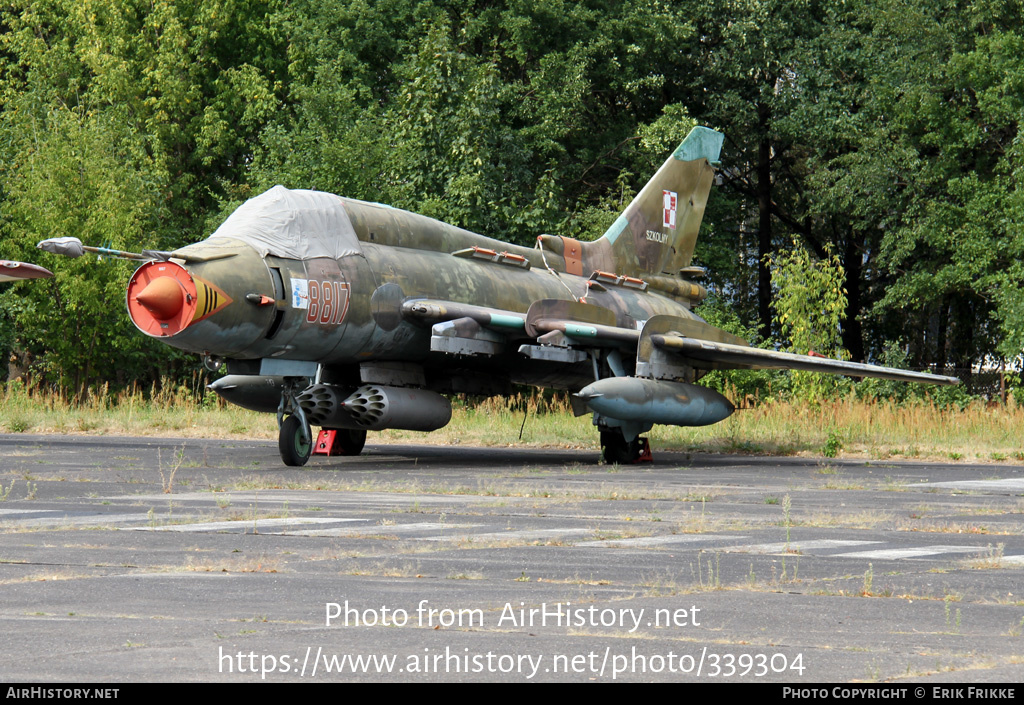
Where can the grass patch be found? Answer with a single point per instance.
(990, 560)
(259, 564)
(961, 528)
(856, 428)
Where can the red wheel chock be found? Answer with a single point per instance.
(325, 443)
(645, 452)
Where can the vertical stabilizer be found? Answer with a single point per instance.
(657, 232)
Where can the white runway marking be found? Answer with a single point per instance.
(378, 530)
(895, 554)
(792, 546)
(510, 535)
(1011, 485)
(644, 541)
(241, 525)
(8, 512)
(62, 519)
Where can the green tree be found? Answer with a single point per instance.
(913, 112)
(510, 119)
(74, 325)
(883, 131)
(745, 54)
(120, 124)
(809, 303)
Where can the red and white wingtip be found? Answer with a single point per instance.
(16, 271)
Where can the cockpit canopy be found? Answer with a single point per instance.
(293, 224)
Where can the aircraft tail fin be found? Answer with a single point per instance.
(658, 230)
(656, 233)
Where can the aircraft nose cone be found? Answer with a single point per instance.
(163, 297)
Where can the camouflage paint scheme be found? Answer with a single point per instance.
(17, 271)
(418, 305)
(389, 271)
(408, 257)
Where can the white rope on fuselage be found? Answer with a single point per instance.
(557, 274)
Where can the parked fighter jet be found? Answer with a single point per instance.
(16, 271)
(356, 316)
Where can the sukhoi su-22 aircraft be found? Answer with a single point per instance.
(355, 316)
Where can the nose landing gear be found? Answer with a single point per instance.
(294, 440)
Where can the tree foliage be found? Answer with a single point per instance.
(121, 121)
(809, 302)
(504, 118)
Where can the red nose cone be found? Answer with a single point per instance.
(163, 297)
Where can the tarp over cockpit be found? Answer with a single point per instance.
(292, 224)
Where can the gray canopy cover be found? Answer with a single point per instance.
(291, 224)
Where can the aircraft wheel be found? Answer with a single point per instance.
(348, 441)
(294, 448)
(617, 450)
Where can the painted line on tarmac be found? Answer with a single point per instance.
(377, 530)
(791, 546)
(1012, 485)
(510, 535)
(665, 540)
(895, 554)
(59, 520)
(243, 524)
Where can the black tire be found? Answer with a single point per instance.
(294, 448)
(617, 450)
(348, 441)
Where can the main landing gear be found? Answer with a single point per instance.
(615, 449)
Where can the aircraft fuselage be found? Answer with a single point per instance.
(348, 311)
